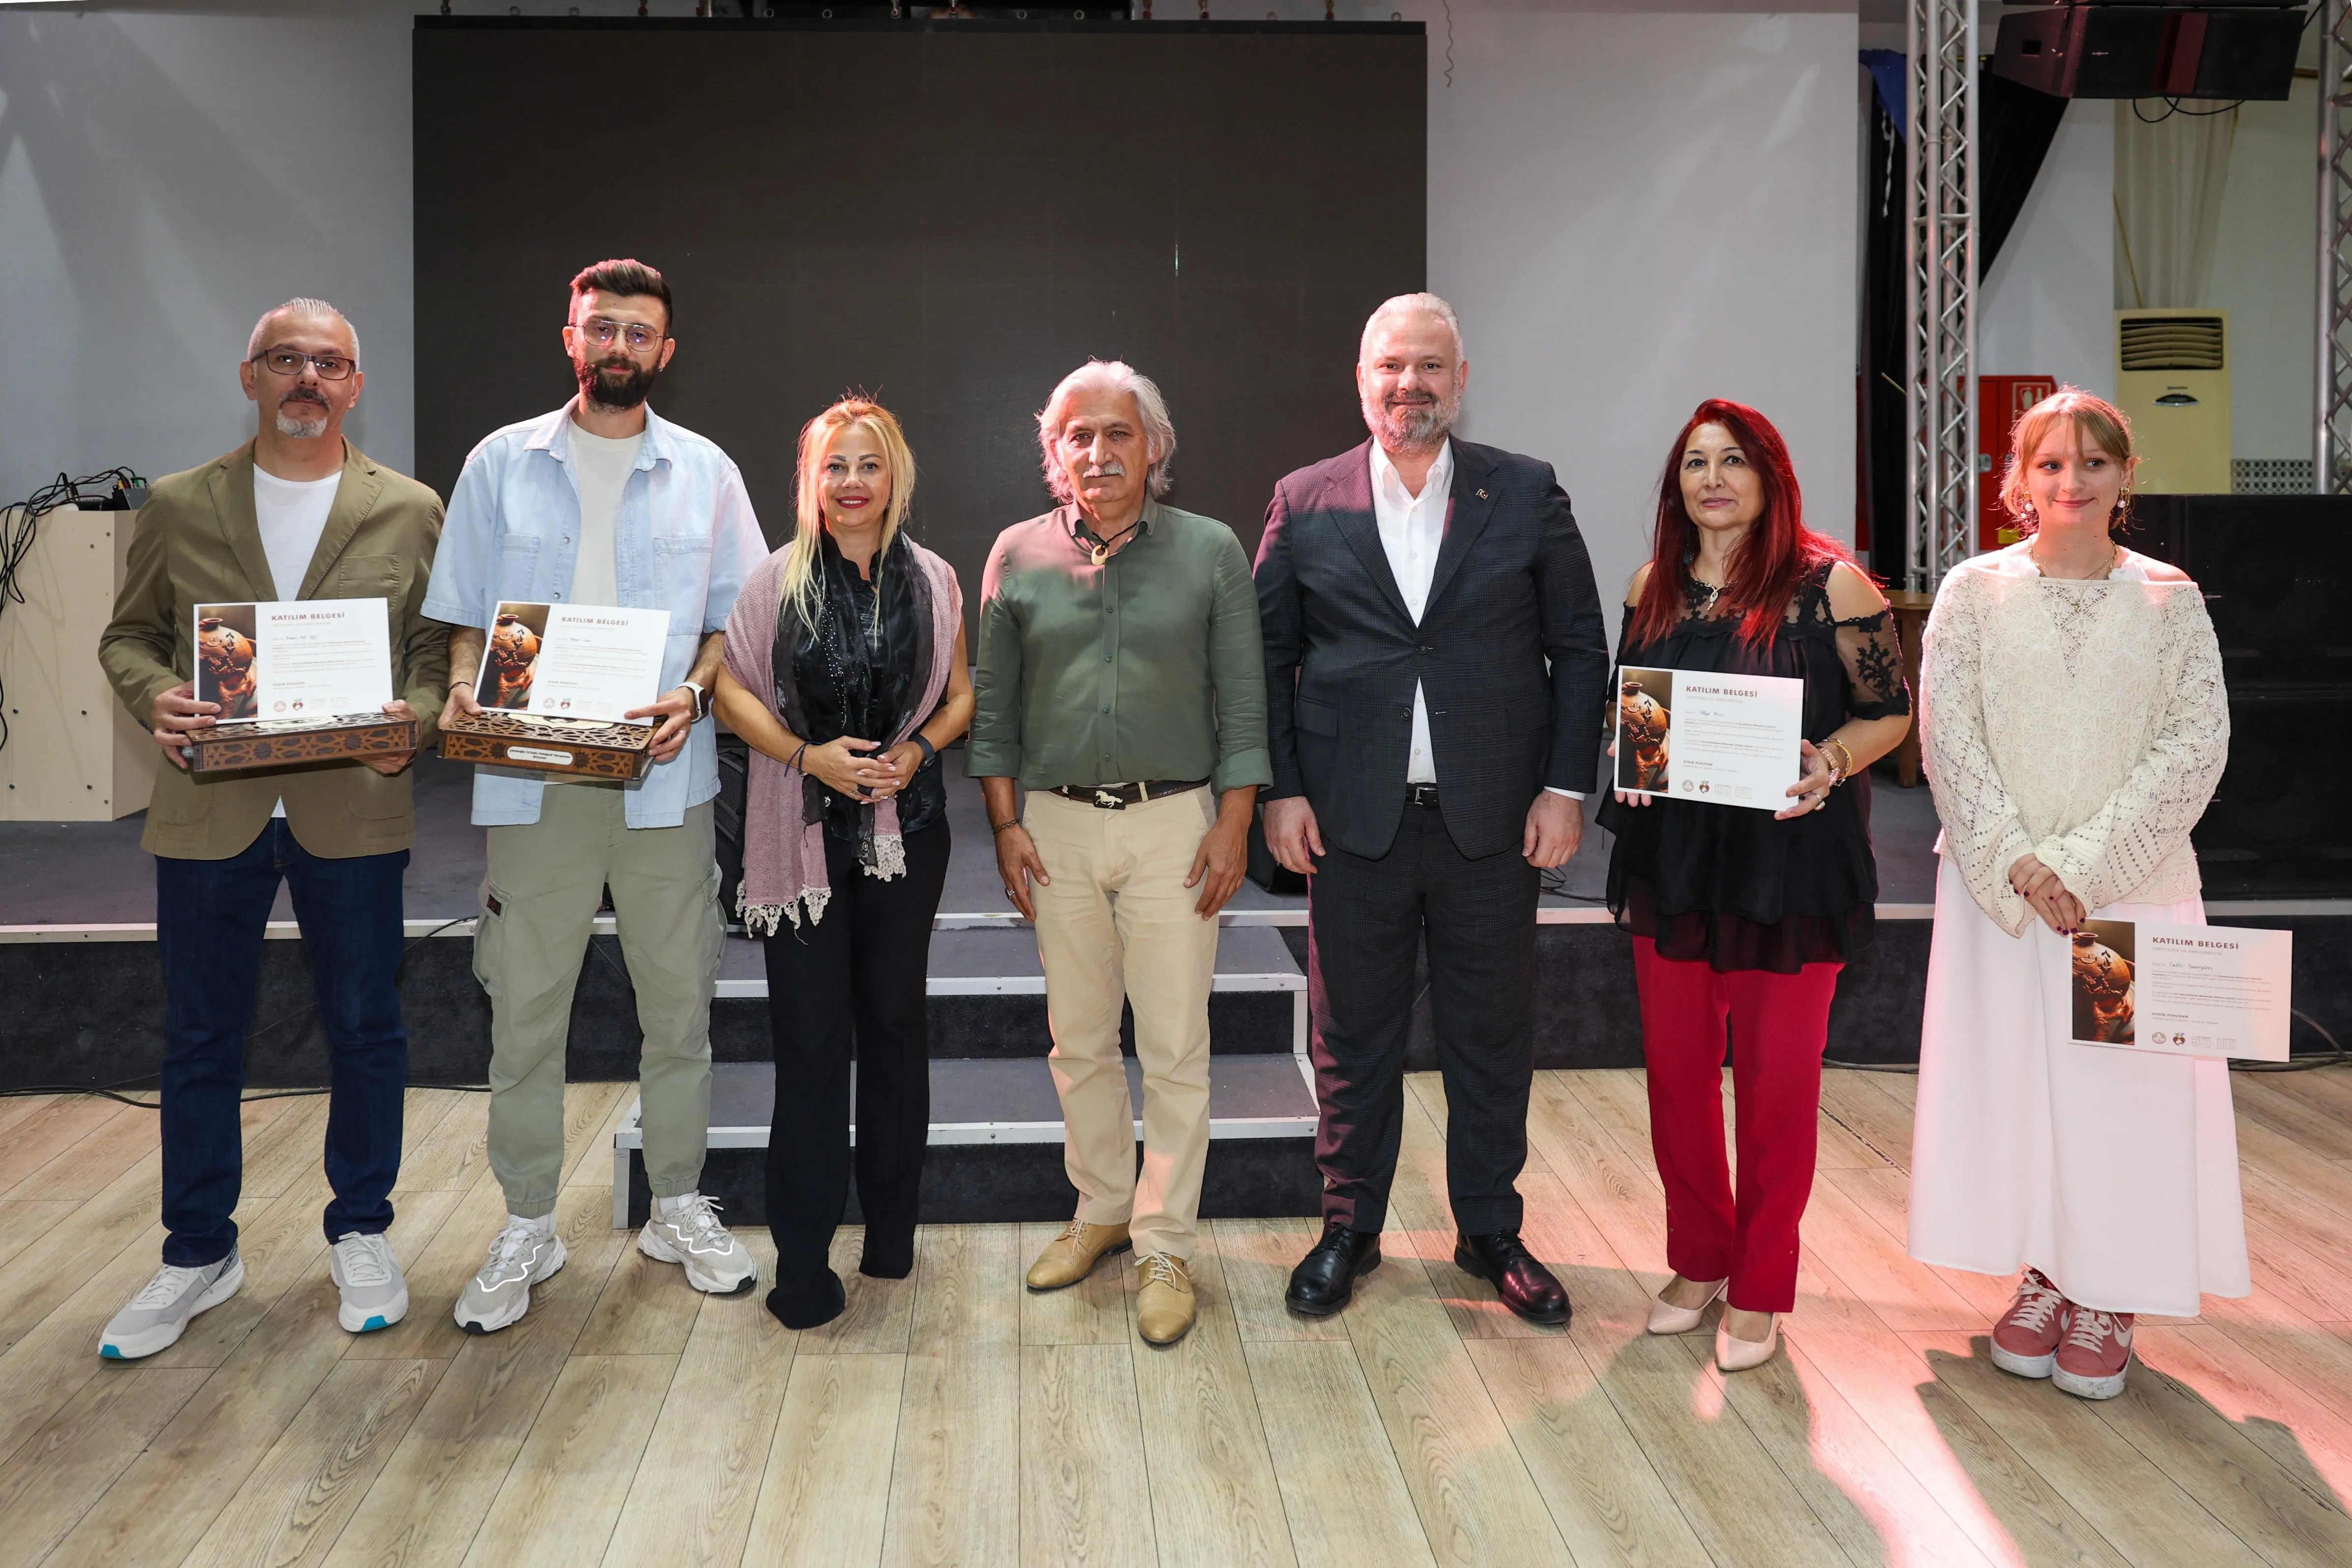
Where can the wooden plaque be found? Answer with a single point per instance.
(263, 743)
(588, 747)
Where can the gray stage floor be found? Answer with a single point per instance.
(94, 873)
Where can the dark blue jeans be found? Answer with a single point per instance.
(210, 916)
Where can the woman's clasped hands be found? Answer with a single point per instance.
(2039, 885)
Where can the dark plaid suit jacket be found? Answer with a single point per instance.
(1511, 652)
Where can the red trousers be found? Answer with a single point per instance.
(1780, 1024)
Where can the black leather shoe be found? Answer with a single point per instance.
(1526, 1286)
(1325, 1279)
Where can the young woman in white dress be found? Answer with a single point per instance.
(2074, 724)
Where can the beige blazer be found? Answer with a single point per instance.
(198, 542)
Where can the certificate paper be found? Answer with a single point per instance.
(1732, 740)
(2193, 991)
(295, 661)
(572, 661)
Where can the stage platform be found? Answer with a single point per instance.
(81, 1001)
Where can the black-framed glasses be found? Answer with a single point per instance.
(289, 361)
(639, 337)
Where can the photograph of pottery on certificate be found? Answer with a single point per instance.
(572, 661)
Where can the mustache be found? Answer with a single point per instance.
(303, 394)
(1114, 469)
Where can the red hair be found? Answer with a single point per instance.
(1768, 563)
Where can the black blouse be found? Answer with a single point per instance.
(1732, 885)
(857, 671)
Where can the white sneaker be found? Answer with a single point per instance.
(524, 1254)
(689, 1233)
(375, 1294)
(159, 1314)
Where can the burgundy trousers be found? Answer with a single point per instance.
(1780, 1024)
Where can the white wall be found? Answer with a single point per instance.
(1635, 209)
(2265, 274)
(163, 180)
(2047, 305)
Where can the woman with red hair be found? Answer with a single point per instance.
(1738, 916)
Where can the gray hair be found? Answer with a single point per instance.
(1413, 304)
(300, 305)
(1109, 375)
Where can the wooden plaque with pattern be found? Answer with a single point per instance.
(588, 747)
(265, 743)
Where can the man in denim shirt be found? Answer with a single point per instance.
(600, 502)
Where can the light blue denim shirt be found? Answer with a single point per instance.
(685, 543)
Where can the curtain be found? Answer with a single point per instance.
(2171, 167)
(2015, 125)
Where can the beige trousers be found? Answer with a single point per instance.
(1117, 921)
(546, 879)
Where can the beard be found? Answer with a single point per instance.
(615, 383)
(302, 419)
(1407, 424)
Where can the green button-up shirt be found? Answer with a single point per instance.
(1147, 667)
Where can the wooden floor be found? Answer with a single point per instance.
(953, 1417)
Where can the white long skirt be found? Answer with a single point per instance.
(2114, 1171)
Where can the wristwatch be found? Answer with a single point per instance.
(702, 699)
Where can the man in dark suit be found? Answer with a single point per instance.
(1435, 668)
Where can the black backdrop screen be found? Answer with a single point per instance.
(949, 216)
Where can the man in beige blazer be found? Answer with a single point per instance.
(299, 512)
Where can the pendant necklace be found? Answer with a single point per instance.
(1100, 549)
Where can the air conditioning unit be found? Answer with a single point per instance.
(2172, 379)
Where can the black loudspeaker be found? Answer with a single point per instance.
(2081, 51)
(2276, 570)
(2147, 50)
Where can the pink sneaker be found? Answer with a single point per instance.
(2096, 1352)
(2025, 1340)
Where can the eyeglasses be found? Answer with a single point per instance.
(289, 361)
(601, 332)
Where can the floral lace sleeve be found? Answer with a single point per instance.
(1871, 650)
(1983, 835)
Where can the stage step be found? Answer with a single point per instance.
(996, 1142)
(987, 996)
(1002, 961)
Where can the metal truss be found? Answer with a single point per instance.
(1940, 170)
(2331, 471)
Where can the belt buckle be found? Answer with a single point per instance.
(1106, 801)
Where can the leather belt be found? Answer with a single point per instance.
(1119, 796)
(1421, 794)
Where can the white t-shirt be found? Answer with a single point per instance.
(600, 468)
(292, 514)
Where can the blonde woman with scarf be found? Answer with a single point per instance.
(846, 672)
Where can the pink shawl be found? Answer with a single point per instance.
(783, 858)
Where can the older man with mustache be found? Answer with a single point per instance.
(1120, 684)
(1435, 669)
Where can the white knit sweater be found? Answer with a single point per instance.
(2084, 723)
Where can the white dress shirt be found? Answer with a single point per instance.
(1411, 529)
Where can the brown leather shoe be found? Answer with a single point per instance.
(1165, 1305)
(1071, 1255)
